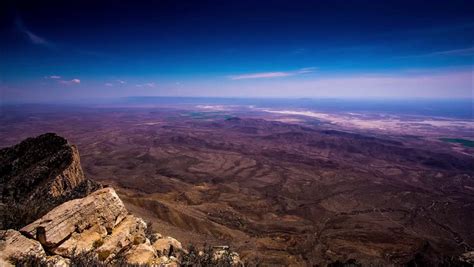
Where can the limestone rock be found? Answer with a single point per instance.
(131, 230)
(141, 254)
(163, 245)
(467, 257)
(103, 208)
(88, 240)
(15, 245)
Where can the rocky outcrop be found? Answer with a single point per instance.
(100, 212)
(41, 173)
(98, 224)
(130, 231)
(86, 228)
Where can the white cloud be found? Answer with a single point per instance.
(69, 82)
(53, 77)
(266, 75)
(109, 84)
(121, 81)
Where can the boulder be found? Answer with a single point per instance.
(163, 245)
(15, 245)
(141, 254)
(131, 230)
(102, 209)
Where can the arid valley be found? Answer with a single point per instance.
(281, 188)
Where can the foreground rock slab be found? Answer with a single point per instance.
(102, 209)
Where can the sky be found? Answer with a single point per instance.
(66, 50)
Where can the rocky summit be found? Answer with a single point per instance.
(97, 224)
(38, 174)
(71, 225)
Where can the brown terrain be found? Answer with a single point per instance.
(279, 193)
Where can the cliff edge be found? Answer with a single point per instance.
(38, 174)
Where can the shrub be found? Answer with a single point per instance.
(97, 243)
(29, 260)
(149, 232)
(15, 215)
(208, 256)
(86, 259)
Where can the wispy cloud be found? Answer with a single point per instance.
(59, 80)
(260, 75)
(267, 75)
(70, 82)
(305, 70)
(457, 52)
(456, 83)
(115, 83)
(468, 51)
(32, 37)
(53, 77)
(149, 85)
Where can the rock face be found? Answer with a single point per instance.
(41, 173)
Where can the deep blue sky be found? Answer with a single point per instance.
(88, 49)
